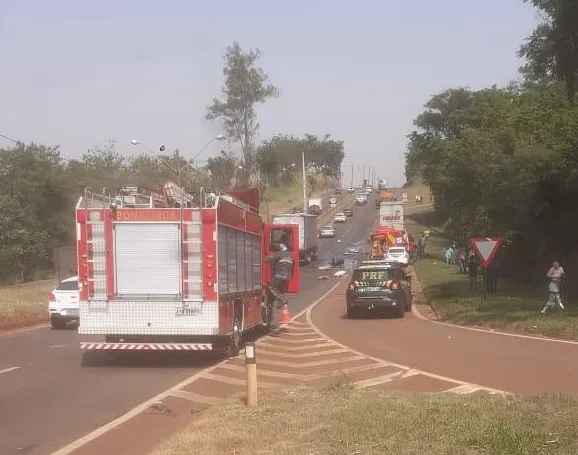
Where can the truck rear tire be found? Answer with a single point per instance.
(236, 336)
(267, 314)
(57, 324)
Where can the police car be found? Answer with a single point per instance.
(379, 286)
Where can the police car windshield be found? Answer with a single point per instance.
(372, 274)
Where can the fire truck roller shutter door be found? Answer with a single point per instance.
(148, 258)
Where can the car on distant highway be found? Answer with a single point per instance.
(348, 212)
(360, 199)
(379, 287)
(351, 190)
(340, 218)
(327, 232)
(63, 303)
(397, 253)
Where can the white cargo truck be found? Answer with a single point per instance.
(391, 215)
(308, 242)
(315, 206)
(332, 202)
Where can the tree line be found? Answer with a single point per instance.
(39, 188)
(503, 161)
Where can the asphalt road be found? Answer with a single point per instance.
(47, 398)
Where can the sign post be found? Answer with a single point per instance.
(486, 248)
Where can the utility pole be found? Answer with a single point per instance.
(304, 182)
(352, 176)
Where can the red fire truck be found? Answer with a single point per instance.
(175, 278)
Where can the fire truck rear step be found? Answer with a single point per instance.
(146, 346)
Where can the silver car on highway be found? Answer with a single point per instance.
(327, 232)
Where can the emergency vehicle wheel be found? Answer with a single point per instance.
(267, 314)
(235, 339)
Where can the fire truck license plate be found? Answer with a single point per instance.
(187, 311)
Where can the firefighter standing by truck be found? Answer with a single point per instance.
(283, 264)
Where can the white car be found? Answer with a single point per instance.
(327, 231)
(398, 254)
(63, 305)
(340, 218)
(361, 199)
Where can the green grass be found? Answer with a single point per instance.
(342, 420)
(284, 198)
(24, 304)
(516, 307)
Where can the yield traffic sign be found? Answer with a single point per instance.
(486, 249)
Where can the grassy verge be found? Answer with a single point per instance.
(24, 304)
(516, 307)
(343, 420)
(284, 198)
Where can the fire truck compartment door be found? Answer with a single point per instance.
(272, 235)
(147, 258)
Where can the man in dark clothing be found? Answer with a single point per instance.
(282, 273)
(473, 273)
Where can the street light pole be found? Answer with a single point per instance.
(304, 183)
(220, 137)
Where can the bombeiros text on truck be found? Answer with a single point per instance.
(159, 278)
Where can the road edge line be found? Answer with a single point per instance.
(496, 332)
(397, 365)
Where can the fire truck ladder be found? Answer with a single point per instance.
(192, 246)
(96, 245)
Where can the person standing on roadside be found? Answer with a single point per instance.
(421, 247)
(426, 234)
(473, 273)
(555, 275)
(448, 255)
(462, 260)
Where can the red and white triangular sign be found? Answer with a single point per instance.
(486, 249)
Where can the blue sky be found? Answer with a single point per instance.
(78, 73)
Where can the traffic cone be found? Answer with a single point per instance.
(285, 316)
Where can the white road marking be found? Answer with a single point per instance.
(8, 370)
(463, 389)
(372, 382)
(417, 313)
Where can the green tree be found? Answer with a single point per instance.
(32, 178)
(280, 157)
(245, 87)
(551, 51)
(222, 169)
